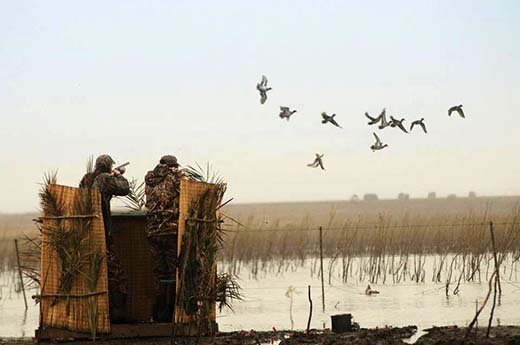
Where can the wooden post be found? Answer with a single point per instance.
(310, 311)
(321, 268)
(20, 272)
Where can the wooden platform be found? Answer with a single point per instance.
(119, 331)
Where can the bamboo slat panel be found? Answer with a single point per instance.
(74, 313)
(190, 191)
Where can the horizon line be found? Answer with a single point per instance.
(446, 197)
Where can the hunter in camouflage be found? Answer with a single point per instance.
(162, 189)
(110, 183)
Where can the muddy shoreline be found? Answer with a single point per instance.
(507, 335)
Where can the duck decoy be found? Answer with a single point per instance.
(370, 292)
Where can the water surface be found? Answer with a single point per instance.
(266, 305)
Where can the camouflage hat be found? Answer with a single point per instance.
(169, 160)
(104, 163)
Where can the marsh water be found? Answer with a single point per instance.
(267, 303)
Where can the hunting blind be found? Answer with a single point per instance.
(74, 298)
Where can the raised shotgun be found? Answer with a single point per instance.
(119, 167)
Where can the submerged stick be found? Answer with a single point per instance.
(476, 311)
(321, 268)
(497, 280)
(475, 319)
(495, 256)
(310, 310)
(492, 308)
(20, 272)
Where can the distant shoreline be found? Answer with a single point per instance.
(438, 198)
(298, 202)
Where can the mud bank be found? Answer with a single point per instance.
(363, 336)
(391, 336)
(502, 335)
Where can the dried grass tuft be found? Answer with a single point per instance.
(135, 200)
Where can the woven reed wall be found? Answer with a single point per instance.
(73, 313)
(189, 192)
(133, 250)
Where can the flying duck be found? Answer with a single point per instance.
(327, 118)
(420, 123)
(397, 123)
(262, 88)
(317, 162)
(384, 121)
(374, 120)
(458, 109)
(285, 113)
(378, 145)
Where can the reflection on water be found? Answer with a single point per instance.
(423, 304)
(266, 304)
(15, 320)
(413, 339)
(24, 321)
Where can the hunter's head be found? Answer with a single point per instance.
(170, 161)
(104, 163)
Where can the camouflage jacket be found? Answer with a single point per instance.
(162, 189)
(108, 185)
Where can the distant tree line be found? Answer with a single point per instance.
(405, 196)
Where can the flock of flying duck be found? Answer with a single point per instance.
(286, 113)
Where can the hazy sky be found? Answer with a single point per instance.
(138, 79)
